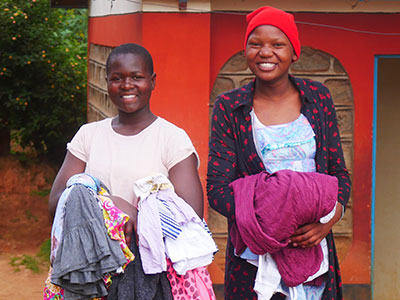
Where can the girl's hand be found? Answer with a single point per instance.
(131, 211)
(311, 235)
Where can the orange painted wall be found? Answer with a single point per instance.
(356, 52)
(115, 30)
(181, 55)
(189, 50)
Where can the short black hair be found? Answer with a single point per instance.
(131, 48)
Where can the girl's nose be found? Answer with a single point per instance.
(128, 83)
(265, 51)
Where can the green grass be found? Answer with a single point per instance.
(27, 261)
(30, 216)
(44, 252)
(41, 193)
(34, 263)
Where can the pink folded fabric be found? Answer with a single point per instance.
(196, 284)
(270, 207)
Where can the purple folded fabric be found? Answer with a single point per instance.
(270, 207)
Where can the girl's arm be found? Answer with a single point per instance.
(336, 163)
(71, 166)
(222, 162)
(186, 182)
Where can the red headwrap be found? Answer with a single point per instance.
(268, 15)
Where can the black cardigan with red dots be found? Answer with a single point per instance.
(233, 155)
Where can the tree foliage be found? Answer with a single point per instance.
(42, 74)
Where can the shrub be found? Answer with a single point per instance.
(42, 74)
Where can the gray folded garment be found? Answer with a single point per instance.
(86, 252)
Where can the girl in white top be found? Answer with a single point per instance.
(133, 144)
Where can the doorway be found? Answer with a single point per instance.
(385, 219)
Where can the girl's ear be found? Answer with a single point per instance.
(153, 80)
(295, 58)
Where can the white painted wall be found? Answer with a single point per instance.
(193, 6)
(99, 8)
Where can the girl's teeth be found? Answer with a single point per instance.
(267, 65)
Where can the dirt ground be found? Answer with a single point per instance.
(24, 225)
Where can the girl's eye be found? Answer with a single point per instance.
(254, 44)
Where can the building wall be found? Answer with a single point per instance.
(189, 49)
(355, 51)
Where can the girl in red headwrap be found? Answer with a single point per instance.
(276, 122)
